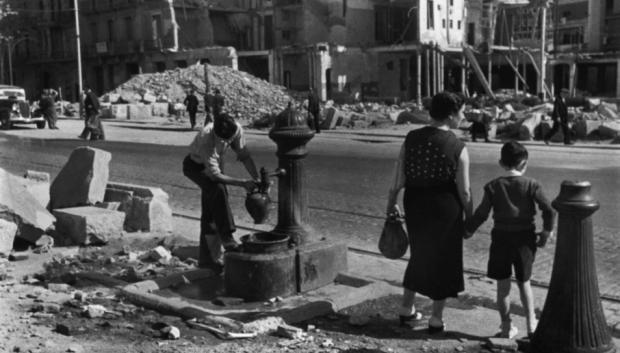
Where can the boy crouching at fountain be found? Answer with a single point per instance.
(513, 199)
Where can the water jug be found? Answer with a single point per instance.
(257, 201)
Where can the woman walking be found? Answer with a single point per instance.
(433, 168)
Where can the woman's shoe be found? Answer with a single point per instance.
(435, 326)
(406, 319)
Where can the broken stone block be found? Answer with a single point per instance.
(119, 111)
(38, 185)
(82, 180)
(608, 111)
(159, 109)
(87, 225)
(291, 332)
(93, 311)
(583, 128)
(7, 236)
(159, 253)
(528, 126)
(171, 332)
(138, 112)
(148, 211)
(149, 97)
(114, 206)
(22, 208)
(503, 344)
(413, 117)
(609, 129)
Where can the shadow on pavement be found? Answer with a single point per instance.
(157, 128)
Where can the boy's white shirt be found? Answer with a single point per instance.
(514, 172)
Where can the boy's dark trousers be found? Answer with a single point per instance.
(216, 217)
(479, 128)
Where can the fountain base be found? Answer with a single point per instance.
(261, 276)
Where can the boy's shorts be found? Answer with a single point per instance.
(510, 249)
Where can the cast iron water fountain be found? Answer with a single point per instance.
(288, 259)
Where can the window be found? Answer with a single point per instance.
(286, 35)
(111, 36)
(181, 63)
(129, 28)
(451, 26)
(93, 32)
(430, 20)
(156, 26)
(443, 23)
(160, 66)
(458, 24)
(451, 2)
(609, 5)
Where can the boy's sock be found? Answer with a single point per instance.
(508, 330)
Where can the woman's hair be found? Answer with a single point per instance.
(445, 104)
(513, 154)
(224, 126)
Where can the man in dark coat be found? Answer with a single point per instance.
(191, 104)
(92, 123)
(48, 108)
(314, 109)
(560, 118)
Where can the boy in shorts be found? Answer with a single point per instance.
(513, 199)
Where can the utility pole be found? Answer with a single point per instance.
(543, 56)
(79, 52)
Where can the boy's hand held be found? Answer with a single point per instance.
(543, 237)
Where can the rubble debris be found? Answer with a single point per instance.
(503, 344)
(23, 209)
(88, 225)
(63, 329)
(59, 287)
(245, 96)
(289, 331)
(171, 332)
(82, 180)
(7, 236)
(157, 254)
(44, 244)
(93, 311)
(146, 207)
(264, 325)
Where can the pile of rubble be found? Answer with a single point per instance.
(246, 96)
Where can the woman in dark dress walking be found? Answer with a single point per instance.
(433, 168)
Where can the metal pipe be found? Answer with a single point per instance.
(79, 52)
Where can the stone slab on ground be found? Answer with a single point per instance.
(159, 109)
(7, 236)
(20, 207)
(82, 180)
(87, 225)
(139, 112)
(120, 111)
(148, 210)
(319, 263)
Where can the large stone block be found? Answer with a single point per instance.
(87, 225)
(20, 207)
(139, 112)
(148, 210)
(583, 128)
(609, 129)
(528, 126)
(319, 264)
(38, 184)
(413, 117)
(82, 181)
(8, 230)
(119, 111)
(159, 109)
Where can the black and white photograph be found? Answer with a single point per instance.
(313, 176)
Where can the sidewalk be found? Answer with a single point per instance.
(473, 314)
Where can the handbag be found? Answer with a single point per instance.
(394, 241)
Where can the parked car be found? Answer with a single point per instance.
(15, 109)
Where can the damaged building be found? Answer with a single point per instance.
(385, 50)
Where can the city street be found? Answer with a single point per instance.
(348, 174)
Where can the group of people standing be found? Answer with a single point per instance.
(214, 104)
(47, 106)
(433, 170)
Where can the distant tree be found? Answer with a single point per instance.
(15, 24)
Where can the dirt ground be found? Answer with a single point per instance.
(42, 310)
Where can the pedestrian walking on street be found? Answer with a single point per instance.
(92, 122)
(204, 166)
(433, 168)
(314, 109)
(47, 105)
(560, 118)
(513, 199)
(191, 104)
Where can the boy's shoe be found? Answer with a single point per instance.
(507, 330)
(531, 328)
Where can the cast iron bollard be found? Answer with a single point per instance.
(291, 133)
(572, 319)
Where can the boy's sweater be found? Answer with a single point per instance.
(513, 200)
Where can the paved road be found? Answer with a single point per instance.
(347, 178)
